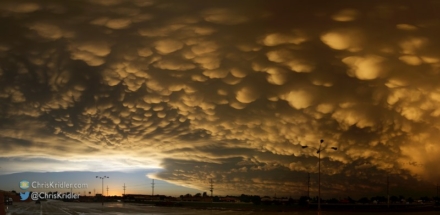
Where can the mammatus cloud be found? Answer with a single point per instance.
(222, 91)
(344, 39)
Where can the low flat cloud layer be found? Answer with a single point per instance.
(228, 91)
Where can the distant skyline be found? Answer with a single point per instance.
(136, 182)
(188, 91)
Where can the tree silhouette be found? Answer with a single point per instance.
(394, 199)
(333, 201)
(364, 200)
(256, 200)
(304, 200)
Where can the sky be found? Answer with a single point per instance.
(188, 91)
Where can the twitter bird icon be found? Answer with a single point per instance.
(24, 195)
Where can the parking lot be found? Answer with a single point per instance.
(55, 207)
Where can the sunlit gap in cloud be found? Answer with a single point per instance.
(119, 164)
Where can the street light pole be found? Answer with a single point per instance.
(319, 177)
(319, 171)
(437, 191)
(102, 192)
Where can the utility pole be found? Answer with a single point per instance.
(94, 192)
(319, 177)
(124, 188)
(102, 191)
(152, 190)
(388, 190)
(212, 187)
(308, 186)
(437, 191)
(319, 150)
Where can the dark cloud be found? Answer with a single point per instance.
(225, 91)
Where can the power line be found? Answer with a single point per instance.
(162, 184)
(139, 185)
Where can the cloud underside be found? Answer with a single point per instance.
(224, 91)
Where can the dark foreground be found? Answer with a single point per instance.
(341, 208)
(77, 208)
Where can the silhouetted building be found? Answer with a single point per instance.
(229, 199)
(195, 199)
(142, 198)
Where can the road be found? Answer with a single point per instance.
(55, 207)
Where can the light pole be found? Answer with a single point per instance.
(102, 193)
(437, 191)
(319, 170)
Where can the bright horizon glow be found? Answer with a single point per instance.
(136, 182)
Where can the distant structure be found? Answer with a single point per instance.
(152, 188)
(388, 191)
(124, 188)
(212, 187)
(145, 198)
(437, 190)
(308, 185)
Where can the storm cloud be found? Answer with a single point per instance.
(228, 91)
